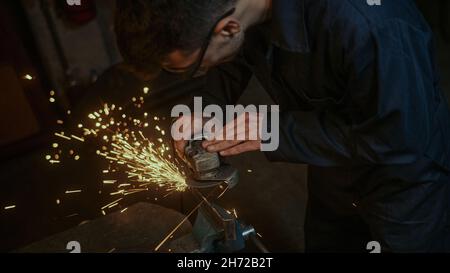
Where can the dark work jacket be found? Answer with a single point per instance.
(356, 83)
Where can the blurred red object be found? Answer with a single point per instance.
(80, 13)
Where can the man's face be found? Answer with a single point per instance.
(223, 46)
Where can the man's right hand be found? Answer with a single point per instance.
(244, 126)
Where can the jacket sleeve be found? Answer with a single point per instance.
(390, 107)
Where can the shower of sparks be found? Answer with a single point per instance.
(137, 157)
(145, 163)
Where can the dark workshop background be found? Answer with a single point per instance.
(73, 53)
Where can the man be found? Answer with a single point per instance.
(360, 102)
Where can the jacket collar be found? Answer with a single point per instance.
(288, 25)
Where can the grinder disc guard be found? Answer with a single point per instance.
(206, 168)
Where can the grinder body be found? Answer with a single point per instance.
(206, 168)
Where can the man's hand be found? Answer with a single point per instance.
(246, 136)
(239, 136)
(230, 148)
(184, 122)
(180, 145)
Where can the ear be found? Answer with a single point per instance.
(228, 27)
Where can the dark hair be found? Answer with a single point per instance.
(148, 30)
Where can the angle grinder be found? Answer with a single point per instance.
(207, 169)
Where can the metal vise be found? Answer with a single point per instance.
(215, 229)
